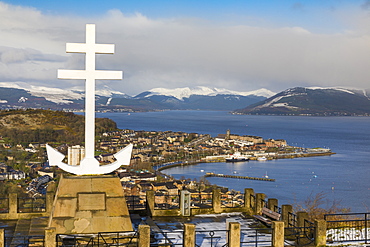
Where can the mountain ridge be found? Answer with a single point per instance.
(23, 95)
(331, 101)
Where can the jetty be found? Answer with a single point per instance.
(211, 174)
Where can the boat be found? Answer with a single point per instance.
(236, 157)
(261, 158)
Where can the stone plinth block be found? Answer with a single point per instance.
(89, 204)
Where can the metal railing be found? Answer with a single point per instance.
(292, 219)
(166, 238)
(299, 236)
(201, 200)
(277, 209)
(167, 201)
(22, 240)
(264, 203)
(126, 238)
(232, 201)
(348, 227)
(31, 205)
(4, 205)
(211, 238)
(256, 237)
(136, 202)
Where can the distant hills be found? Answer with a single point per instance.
(17, 95)
(294, 101)
(313, 101)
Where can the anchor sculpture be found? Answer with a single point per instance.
(89, 165)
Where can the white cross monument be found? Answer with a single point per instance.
(89, 165)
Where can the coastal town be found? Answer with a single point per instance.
(153, 151)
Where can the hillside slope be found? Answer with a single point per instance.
(25, 126)
(313, 101)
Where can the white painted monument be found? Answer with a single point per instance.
(89, 165)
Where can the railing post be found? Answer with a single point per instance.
(278, 234)
(216, 200)
(2, 237)
(233, 239)
(320, 232)
(272, 203)
(301, 216)
(247, 201)
(13, 203)
(144, 236)
(285, 210)
(50, 237)
(185, 200)
(366, 228)
(150, 202)
(49, 201)
(259, 204)
(189, 235)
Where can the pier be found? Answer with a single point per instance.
(211, 174)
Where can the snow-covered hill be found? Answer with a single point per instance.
(313, 101)
(58, 95)
(186, 92)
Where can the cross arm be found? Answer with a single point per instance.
(95, 48)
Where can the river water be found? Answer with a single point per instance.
(344, 178)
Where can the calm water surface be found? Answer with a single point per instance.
(343, 177)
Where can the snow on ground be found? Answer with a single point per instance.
(212, 228)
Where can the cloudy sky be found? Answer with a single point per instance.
(235, 44)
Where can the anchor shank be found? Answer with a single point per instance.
(90, 93)
(89, 119)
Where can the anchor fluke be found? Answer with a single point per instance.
(124, 155)
(90, 166)
(55, 157)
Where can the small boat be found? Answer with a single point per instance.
(263, 158)
(236, 157)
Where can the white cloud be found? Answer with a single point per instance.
(175, 53)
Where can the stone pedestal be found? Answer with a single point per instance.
(89, 204)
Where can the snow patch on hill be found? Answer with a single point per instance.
(56, 95)
(186, 92)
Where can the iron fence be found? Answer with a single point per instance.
(256, 237)
(126, 238)
(201, 200)
(22, 240)
(232, 201)
(348, 227)
(299, 236)
(135, 202)
(277, 209)
(292, 219)
(4, 205)
(166, 238)
(211, 238)
(308, 223)
(31, 205)
(167, 201)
